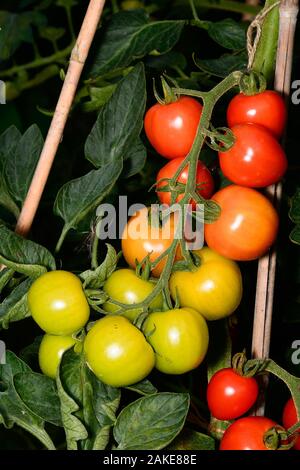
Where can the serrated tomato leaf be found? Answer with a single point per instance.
(14, 307)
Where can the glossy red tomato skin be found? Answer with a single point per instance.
(230, 395)
(255, 160)
(246, 434)
(267, 109)
(247, 226)
(289, 418)
(171, 128)
(204, 180)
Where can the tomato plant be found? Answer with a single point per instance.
(117, 352)
(126, 287)
(205, 182)
(266, 109)
(247, 434)
(179, 338)
(214, 288)
(171, 128)
(247, 226)
(255, 160)
(57, 303)
(230, 395)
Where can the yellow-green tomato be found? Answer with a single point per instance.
(58, 304)
(51, 351)
(214, 288)
(117, 352)
(126, 287)
(179, 338)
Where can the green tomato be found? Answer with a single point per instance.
(214, 288)
(126, 287)
(51, 351)
(179, 338)
(58, 304)
(117, 352)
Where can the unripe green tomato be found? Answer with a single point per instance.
(51, 351)
(126, 287)
(214, 288)
(58, 304)
(131, 5)
(179, 338)
(117, 352)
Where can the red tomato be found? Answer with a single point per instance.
(171, 128)
(230, 395)
(266, 108)
(247, 226)
(204, 180)
(256, 159)
(289, 418)
(247, 434)
(139, 239)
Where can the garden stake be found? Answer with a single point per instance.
(262, 324)
(55, 133)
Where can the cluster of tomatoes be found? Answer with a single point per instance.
(175, 340)
(231, 395)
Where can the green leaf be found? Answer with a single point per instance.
(134, 160)
(29, 354)
(14, 307)
(189, 439)
(12, 409)
(22, 162)
(172, 59)
(94, 279)
(224, 65)
(8, 143)
(79, 197)
(52, 34)
(130, 35)
(24, 256)
(219, 352)
(99, 97)
(294, 212)
(144, 387)
(228, 33)
(295, 235)
(15, 29)
(39, 393)
(5, 276)
(119, 121)
(97, 402)
(151, 422)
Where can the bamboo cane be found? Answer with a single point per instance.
(261, 337)
(54, 136)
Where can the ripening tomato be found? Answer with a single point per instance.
(289, 418)
(126, 287)
(247, 434)
(267, 109)
(204, 180)
(255, 160)
(171, 128)
(58, 304)
(117, 352)
(230, 395)
(179, 338)
(247, 226)
(51, 350)
(214, 288)
(140, 238)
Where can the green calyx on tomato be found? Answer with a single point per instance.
(117, 352)
(252, 83)
(126, 287)
(58, 304)
(51, 350)
(214, 288)
(179, 338)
